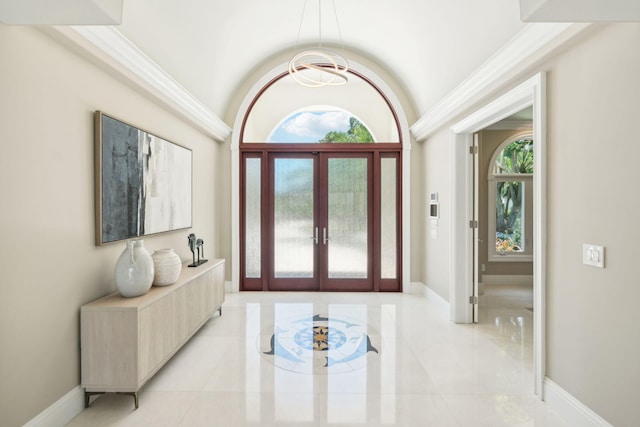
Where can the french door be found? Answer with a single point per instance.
(321, 221)
(320, 228)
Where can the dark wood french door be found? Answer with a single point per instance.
(321, 220)
(320, 230)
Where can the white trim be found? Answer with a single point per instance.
(406, 169)
(441, 304)
(507, 256)
(419, 288)
(517, 125)
(62, 411)
(461, 248)
(539, 95)
(529, 93)
(415, 288)
(533, 42)
(578, 11)
(570, 409)
(228, 287)
(517, 99)
(71, 12)
(108, 44)
(508, 279)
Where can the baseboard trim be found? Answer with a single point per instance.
(441, 303)
(423, 290)
(570, 409)
(512, 279)
(62, 411)
(228, 287)
(414, 288)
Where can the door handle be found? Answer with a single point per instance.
(325, 239)
(315, 237)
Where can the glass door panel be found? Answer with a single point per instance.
(388, 218)
(348, 219)
(253, 219)
(346, 222)
(293, 230)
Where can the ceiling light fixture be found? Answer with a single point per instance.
(319, 66)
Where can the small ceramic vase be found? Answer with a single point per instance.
(134, 270)
(167, 265)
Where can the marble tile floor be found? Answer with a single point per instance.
(344, 359)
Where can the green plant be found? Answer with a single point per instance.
(357, 133)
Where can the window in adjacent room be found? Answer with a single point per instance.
(511, 201)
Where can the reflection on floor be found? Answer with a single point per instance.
(425, 370)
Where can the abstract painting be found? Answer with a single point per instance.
(143, 182)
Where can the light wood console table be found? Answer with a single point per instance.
(125, 341)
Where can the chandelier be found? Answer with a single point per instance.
(319, 66)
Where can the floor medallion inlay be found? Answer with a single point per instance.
(319, 345)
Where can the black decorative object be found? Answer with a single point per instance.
(196, 245)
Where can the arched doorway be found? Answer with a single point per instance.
(326, 212)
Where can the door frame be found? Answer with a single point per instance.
(268, 232)
(529, 93)
(327, 284)
(475, 230)
(321, 281)
(234, 166)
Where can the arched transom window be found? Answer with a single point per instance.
(320, 124)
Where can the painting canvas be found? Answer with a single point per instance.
(143, 182)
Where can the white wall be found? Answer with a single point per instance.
(593, 101)
(49, 263)
(435, 252)
(593, 150)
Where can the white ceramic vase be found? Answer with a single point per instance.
(167, 265)
(134, 270)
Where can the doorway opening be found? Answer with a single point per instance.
(320, 184)
(504, 258)
(504, 195)
(464, 233)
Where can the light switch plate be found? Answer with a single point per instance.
(593, 255)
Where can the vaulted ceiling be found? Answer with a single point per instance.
(212, 46)
(215, 49)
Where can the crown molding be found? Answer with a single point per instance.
(532, 43)
(579, 11)
(107, 44)
(72, 12)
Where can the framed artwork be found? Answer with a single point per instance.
(143, 182)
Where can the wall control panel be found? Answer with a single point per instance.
(593, 255)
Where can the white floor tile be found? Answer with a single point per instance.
(416, 369)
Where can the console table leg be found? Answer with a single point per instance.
(133, 394)
(87, 396)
